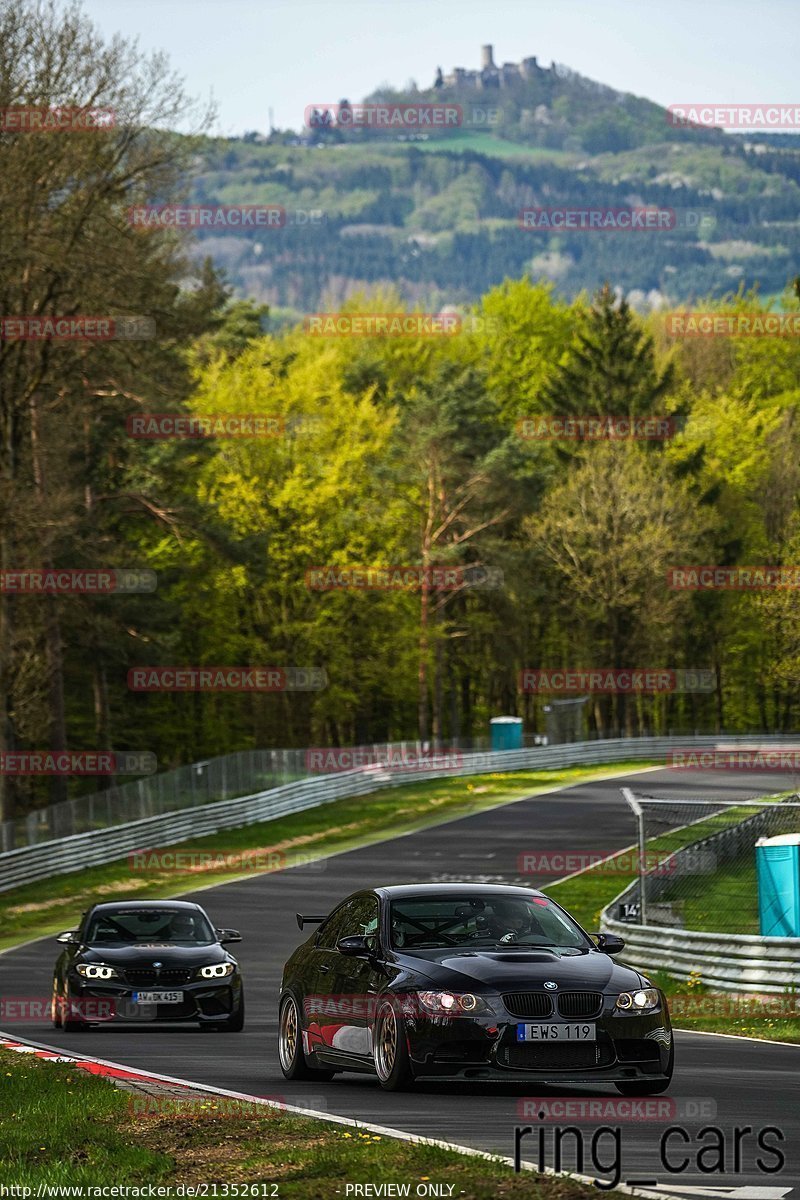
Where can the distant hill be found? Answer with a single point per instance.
(436, 214)
(552, 107)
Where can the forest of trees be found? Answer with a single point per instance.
(446, 225)
(392, 450)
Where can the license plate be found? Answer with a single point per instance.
(557, 1033)
(158, 997)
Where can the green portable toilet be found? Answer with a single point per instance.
(506, 733)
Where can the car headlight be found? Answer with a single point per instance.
(216, 970)
(453, 1004)
(643, 1000)
(96, 971)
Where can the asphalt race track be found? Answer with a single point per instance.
(750, 1083)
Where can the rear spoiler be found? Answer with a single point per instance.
(301, 920)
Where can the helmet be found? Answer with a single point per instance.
(181, 926)
(512, 913)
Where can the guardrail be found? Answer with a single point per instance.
(64, 855)
(225, 777)
(725, 961)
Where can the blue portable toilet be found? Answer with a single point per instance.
(506, 733)
(778, 869)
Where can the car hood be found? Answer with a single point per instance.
(520, 970)
(145, 956)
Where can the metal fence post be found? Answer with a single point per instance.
(638, 812)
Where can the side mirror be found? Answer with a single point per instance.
(356, 946)
(68, 938)
(228, 935)
(609, 943)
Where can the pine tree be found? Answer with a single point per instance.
(611, 368)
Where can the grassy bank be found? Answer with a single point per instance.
(725, 902)
(709, 902)
(587, 894)
(49, 906)
(63, 1126)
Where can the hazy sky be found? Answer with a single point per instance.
(254, 55)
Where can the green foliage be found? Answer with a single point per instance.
(440, 218)
(406, 451)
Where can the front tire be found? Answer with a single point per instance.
(390, 1048)
(236, 1023)
(67, 1023)
(290, 1044)
(56, 1015)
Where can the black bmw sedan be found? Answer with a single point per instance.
(141, 961)
(468, 981)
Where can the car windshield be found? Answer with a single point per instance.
(436, 922)
(150, 926)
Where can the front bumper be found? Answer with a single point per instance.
(204, 1000)
(628, 1048)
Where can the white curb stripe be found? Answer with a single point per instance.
(332, 1118)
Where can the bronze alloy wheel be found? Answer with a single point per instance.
(386, 1043)
(288, 1047)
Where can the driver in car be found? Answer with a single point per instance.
(181, 928)
(509, 921)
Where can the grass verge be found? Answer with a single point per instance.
(64, 1127)
(52, 905)
(707, 904)
(725, 902)
(588, 893)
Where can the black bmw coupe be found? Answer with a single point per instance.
(141, 961)
(466, 981)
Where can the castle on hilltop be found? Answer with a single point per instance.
(490, 75)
